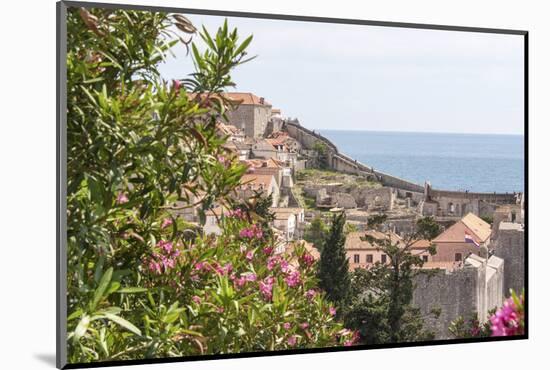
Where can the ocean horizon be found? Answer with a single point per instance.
(450, 161)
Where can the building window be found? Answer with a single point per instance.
(369, 258)
(384, 258)
(458, 257)
(355, 258)
(425, 258)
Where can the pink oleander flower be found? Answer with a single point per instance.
(236, 213)
(266, 288)
(166, 222)
(267, 250)
(252, 232)
(163, 259)
(250, 276)
(310, 294)
(121, 198)
(307, 259)
(506, 320)
(332, 311)
(176, 85)
(199, 266)
(286, 326)
(272, 262)
(196, 299)
(304, 325)
(293, 279)
(292, 340)
(249, 255)
(285, 267)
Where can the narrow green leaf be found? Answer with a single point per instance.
(100, 291)
(122, 322)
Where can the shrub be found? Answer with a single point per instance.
(142, 283)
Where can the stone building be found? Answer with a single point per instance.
(364, 254)
(451, 245)
(252, 184)
(251, 115)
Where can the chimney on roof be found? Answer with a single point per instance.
(262, 100)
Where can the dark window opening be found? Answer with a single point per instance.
(384, 258)
(355, 258)
(458, 257)
(369, 258)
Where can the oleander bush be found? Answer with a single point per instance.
(142, 283)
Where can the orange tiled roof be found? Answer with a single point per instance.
(470, 224)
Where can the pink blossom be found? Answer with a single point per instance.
(199, 266)
(121, 198)
(505, 321)
(196, 299)
(266, 287)
(236, 213)
(176, 84)
(286, 326)
(272, 262)
(166, 222)
(293, 279)
(310, 294)
(332, 311)
(268, 250)
(304, 325)
(285, 267)
(292, 340)
(249, 255)
(307, 259)
(255, 231)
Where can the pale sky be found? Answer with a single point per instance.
(354, 77)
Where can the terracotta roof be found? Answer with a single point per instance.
(353, 239)
(470, 224)
(245, 98)
(256, 180)
(282, 211)
(227, 129)
(266, 163)
(422, 244)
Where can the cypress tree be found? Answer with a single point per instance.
(334, 266)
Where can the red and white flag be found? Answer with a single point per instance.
(470, 239)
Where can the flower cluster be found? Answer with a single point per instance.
(293, 279)
(307, 259)
(255, 231)
(244, 278)
(121, 198)
(266, 287)
(508, 320)
(236, 213)
(163, 259)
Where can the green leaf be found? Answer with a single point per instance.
(100, 291)
(131, 290)
(82, 327)
(122, 322)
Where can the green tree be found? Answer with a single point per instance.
(334, 277)
(316, 232)
(321, 151)
(381, 306)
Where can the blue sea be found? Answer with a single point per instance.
(474, 162)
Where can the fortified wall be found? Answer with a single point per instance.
(441, 203)
(474, 287)
(340, 162)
